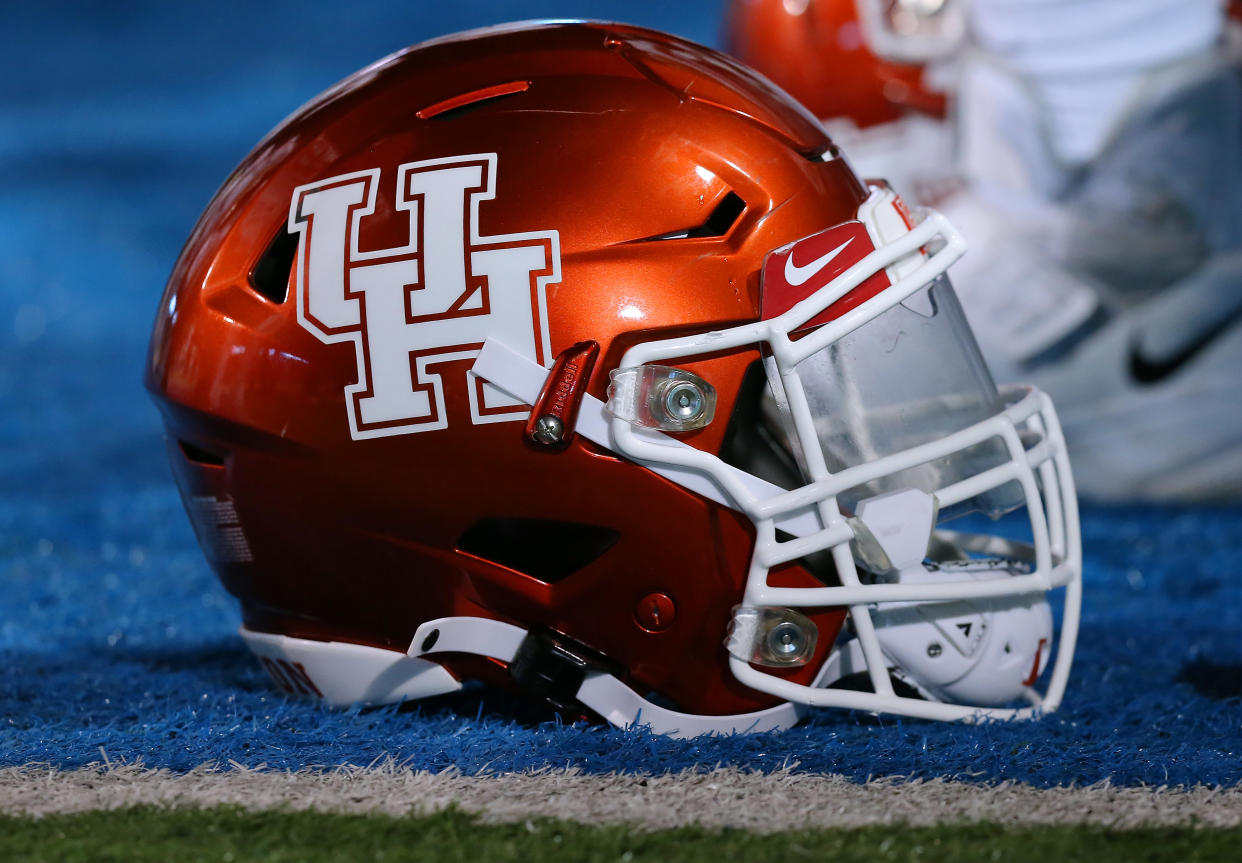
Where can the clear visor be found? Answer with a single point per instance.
(912, 375)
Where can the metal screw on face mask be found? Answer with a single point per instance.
(683, 401)
(934, 650)
(785, 640)
(549, 430)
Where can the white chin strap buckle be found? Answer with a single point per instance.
(560, 673)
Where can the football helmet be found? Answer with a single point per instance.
(862, 59)
(876, 72)
(573, 357)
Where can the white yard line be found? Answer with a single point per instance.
(717, 798)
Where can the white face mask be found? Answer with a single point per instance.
(882, 398)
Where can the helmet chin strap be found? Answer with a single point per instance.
(599, 691)
(342, 674)
(986, 652)
(980, 652)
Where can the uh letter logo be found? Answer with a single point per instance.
(433, 300)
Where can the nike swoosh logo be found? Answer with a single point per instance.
(1146, 370)
(796, 275)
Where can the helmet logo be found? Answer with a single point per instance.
(433, 300)
(821, 258)
(797, 276)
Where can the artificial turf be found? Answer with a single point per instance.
(116, 641)
(233, 835)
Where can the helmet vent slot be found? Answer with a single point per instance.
(198, 455)
(724, 217)
(463, 103)
(719, 222)
(546, 550)
(270, 276)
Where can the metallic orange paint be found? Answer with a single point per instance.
(817, 50)
(620, 134)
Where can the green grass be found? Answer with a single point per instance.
(229, 835)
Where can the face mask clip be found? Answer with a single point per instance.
(661, 397)
(774, 637)
(555, 413)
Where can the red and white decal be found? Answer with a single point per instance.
(435, 299)
(219, 529)
(1041, 659)
(291, 677)
(793, 273)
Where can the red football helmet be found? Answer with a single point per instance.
(754, 398)
(865, 60)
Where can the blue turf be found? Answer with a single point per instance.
(116, 123)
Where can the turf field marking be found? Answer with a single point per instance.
(717, 798)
